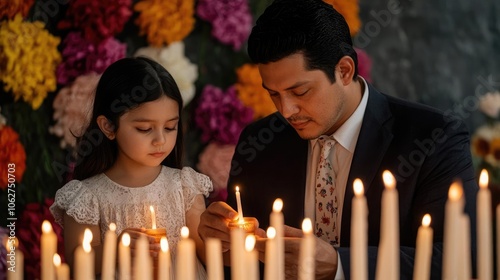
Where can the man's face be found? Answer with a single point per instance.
(306, 98)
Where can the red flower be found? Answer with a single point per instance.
(12, 156)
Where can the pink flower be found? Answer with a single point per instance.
(364, 64)
(231, 20)
(221, 116)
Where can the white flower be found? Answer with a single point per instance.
(173, 59)
(490, 104)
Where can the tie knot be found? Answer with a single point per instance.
(326, 143)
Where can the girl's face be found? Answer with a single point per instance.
(147, 134)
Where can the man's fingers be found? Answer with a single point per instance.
(292, 232)
(222, 209)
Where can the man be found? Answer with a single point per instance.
(305, 57)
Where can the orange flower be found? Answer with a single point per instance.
(165, 21)
(251, 92)
(350, 10)
(12, 156)
(9, 8)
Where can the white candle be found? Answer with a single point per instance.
(307, 251)
(109, 254)
(464, 262)
(453, 211)
(388, 254)
(251, 259)
(84, 259)
(238, 205)
(186, 257)
(164, 262)
(277, 221)
(423, 253)
(153, 217)
(15, 272)
(484, 230)
(124, 257)
(237, 253)
(62, 269)
(359, 233)
(48, 248)
(498, 240)
(143, 265)
(271, 256)
(215, 266)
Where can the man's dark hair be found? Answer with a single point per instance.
(311, 27)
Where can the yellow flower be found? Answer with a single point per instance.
(350, 10)
(251, 92)
(165, 21)
(29, 60)
(9, 8)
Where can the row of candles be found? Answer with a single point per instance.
(244, 258)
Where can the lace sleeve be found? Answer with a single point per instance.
(76, 200)
(194, 183)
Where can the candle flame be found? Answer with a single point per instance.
(483, 179)
(185, 232)
(57, 260)
(389, 180)
(307, 225)
(237, 189)
(455, 191)
(358, 187)
(126, 239)
(153, 217)
(46, 227)
(112, 226)
(271, 232)
(277, 205)
(426, 220)
(249, 242)
(87, 238)
(164, 244)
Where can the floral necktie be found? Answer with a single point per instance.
(326, 195)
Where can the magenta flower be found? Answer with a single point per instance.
(221, 116)
(231, 20)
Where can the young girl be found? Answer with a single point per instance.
(129, 159)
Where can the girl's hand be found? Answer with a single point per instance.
(135, 234)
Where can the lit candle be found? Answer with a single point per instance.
(15, 272)
(237, 253)
(84, 259)
(143, 265)
(214, 259)
(277, 221)
(271, 260)
(251, 259)
(124, 257)
(164, 262)
(359, 233)
(48, 248)
(453, 212)
(464, 261)
(62, 269)
(423, 253)
(186, 259)
(388, 254)
(484, 229)
(109, 254)
(153, 217)
(307, 251)
(238, 205)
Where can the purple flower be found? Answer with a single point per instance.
(231, 20)
(221, 116)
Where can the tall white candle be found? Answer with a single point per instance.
(307, 251)
(186, 257)
(48, 246)
(62, 269)
(164, 260)
(215, 266)
(359, 233)
(484, 230)
(453, 211)
(153, 217)
(388, 254)
(271, 256)
(251, 259)
(464, 262)
(84, 259)
(109, 254)
(423, 253)
(124, 257)
(143, 265)
(277, 221)
(15, 272)
(237, 253)
(238, 204)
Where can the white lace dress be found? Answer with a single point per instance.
(100, 201)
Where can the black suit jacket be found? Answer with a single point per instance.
(423, 148)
